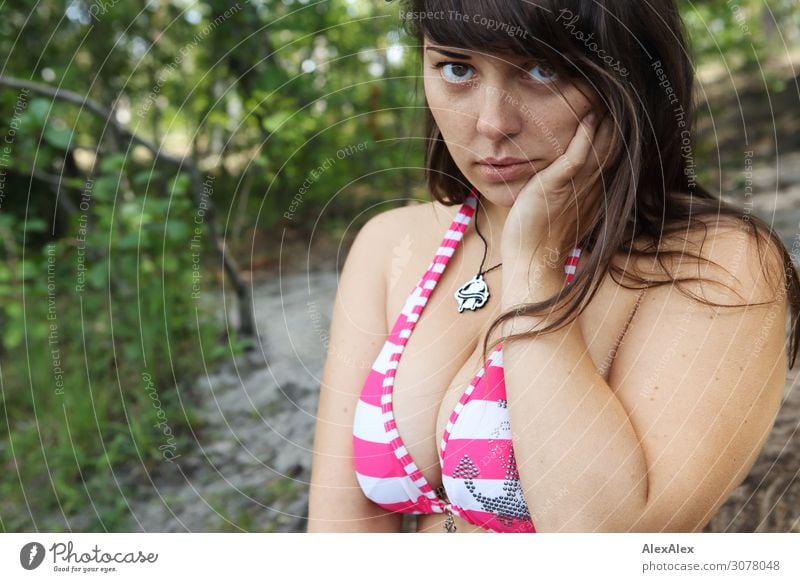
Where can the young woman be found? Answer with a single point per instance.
(593, 342)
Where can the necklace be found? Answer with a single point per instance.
(475, 293)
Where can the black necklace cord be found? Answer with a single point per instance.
(485, 246)
(493, 268)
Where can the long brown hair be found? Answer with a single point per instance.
(645, 78)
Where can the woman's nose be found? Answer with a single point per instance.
(500, 114)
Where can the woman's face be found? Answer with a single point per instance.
(501, 106)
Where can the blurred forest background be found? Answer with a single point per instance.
(159, 162)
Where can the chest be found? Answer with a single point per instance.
(444, 353)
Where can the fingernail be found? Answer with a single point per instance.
(591, 118)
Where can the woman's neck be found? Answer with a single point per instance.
(490, 218)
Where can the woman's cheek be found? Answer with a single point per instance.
(560, 117)
(562, 133)
(549, 140)
(452, 125)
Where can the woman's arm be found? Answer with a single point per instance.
(358, 331)
(691, 397)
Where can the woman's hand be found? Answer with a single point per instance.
(545, 214)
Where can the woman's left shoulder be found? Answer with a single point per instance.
(717, 258)
(740, 260)
(701, 383)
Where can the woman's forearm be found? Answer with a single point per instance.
(579, 458)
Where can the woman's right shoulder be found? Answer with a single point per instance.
(374, 242)
(416, 216)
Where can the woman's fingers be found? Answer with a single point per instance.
(567, 165)
(598, 152)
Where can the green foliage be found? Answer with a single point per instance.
(84, 320)
(741, 34)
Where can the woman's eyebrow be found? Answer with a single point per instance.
(449, 53)
(506, 58)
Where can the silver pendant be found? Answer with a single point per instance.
(473, 294)
(449, 523)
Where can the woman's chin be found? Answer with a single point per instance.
(503, 195)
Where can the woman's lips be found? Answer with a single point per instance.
(506, 172)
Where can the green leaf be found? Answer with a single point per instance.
(130, 241)
(97, 275)
(38, 110)
(13, 310)
(143, 178)
(275, 121)
(13, 336)
(112, 164)
(776, 84)
(28, 270)
(60, 138)
(178, 184)
(177, 231)
(169, 263)
(157, 206)
(105, 188)
(35, 225)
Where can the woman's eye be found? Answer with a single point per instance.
(455, 72)
(543, 72)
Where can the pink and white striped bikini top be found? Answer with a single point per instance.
(479, 473)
